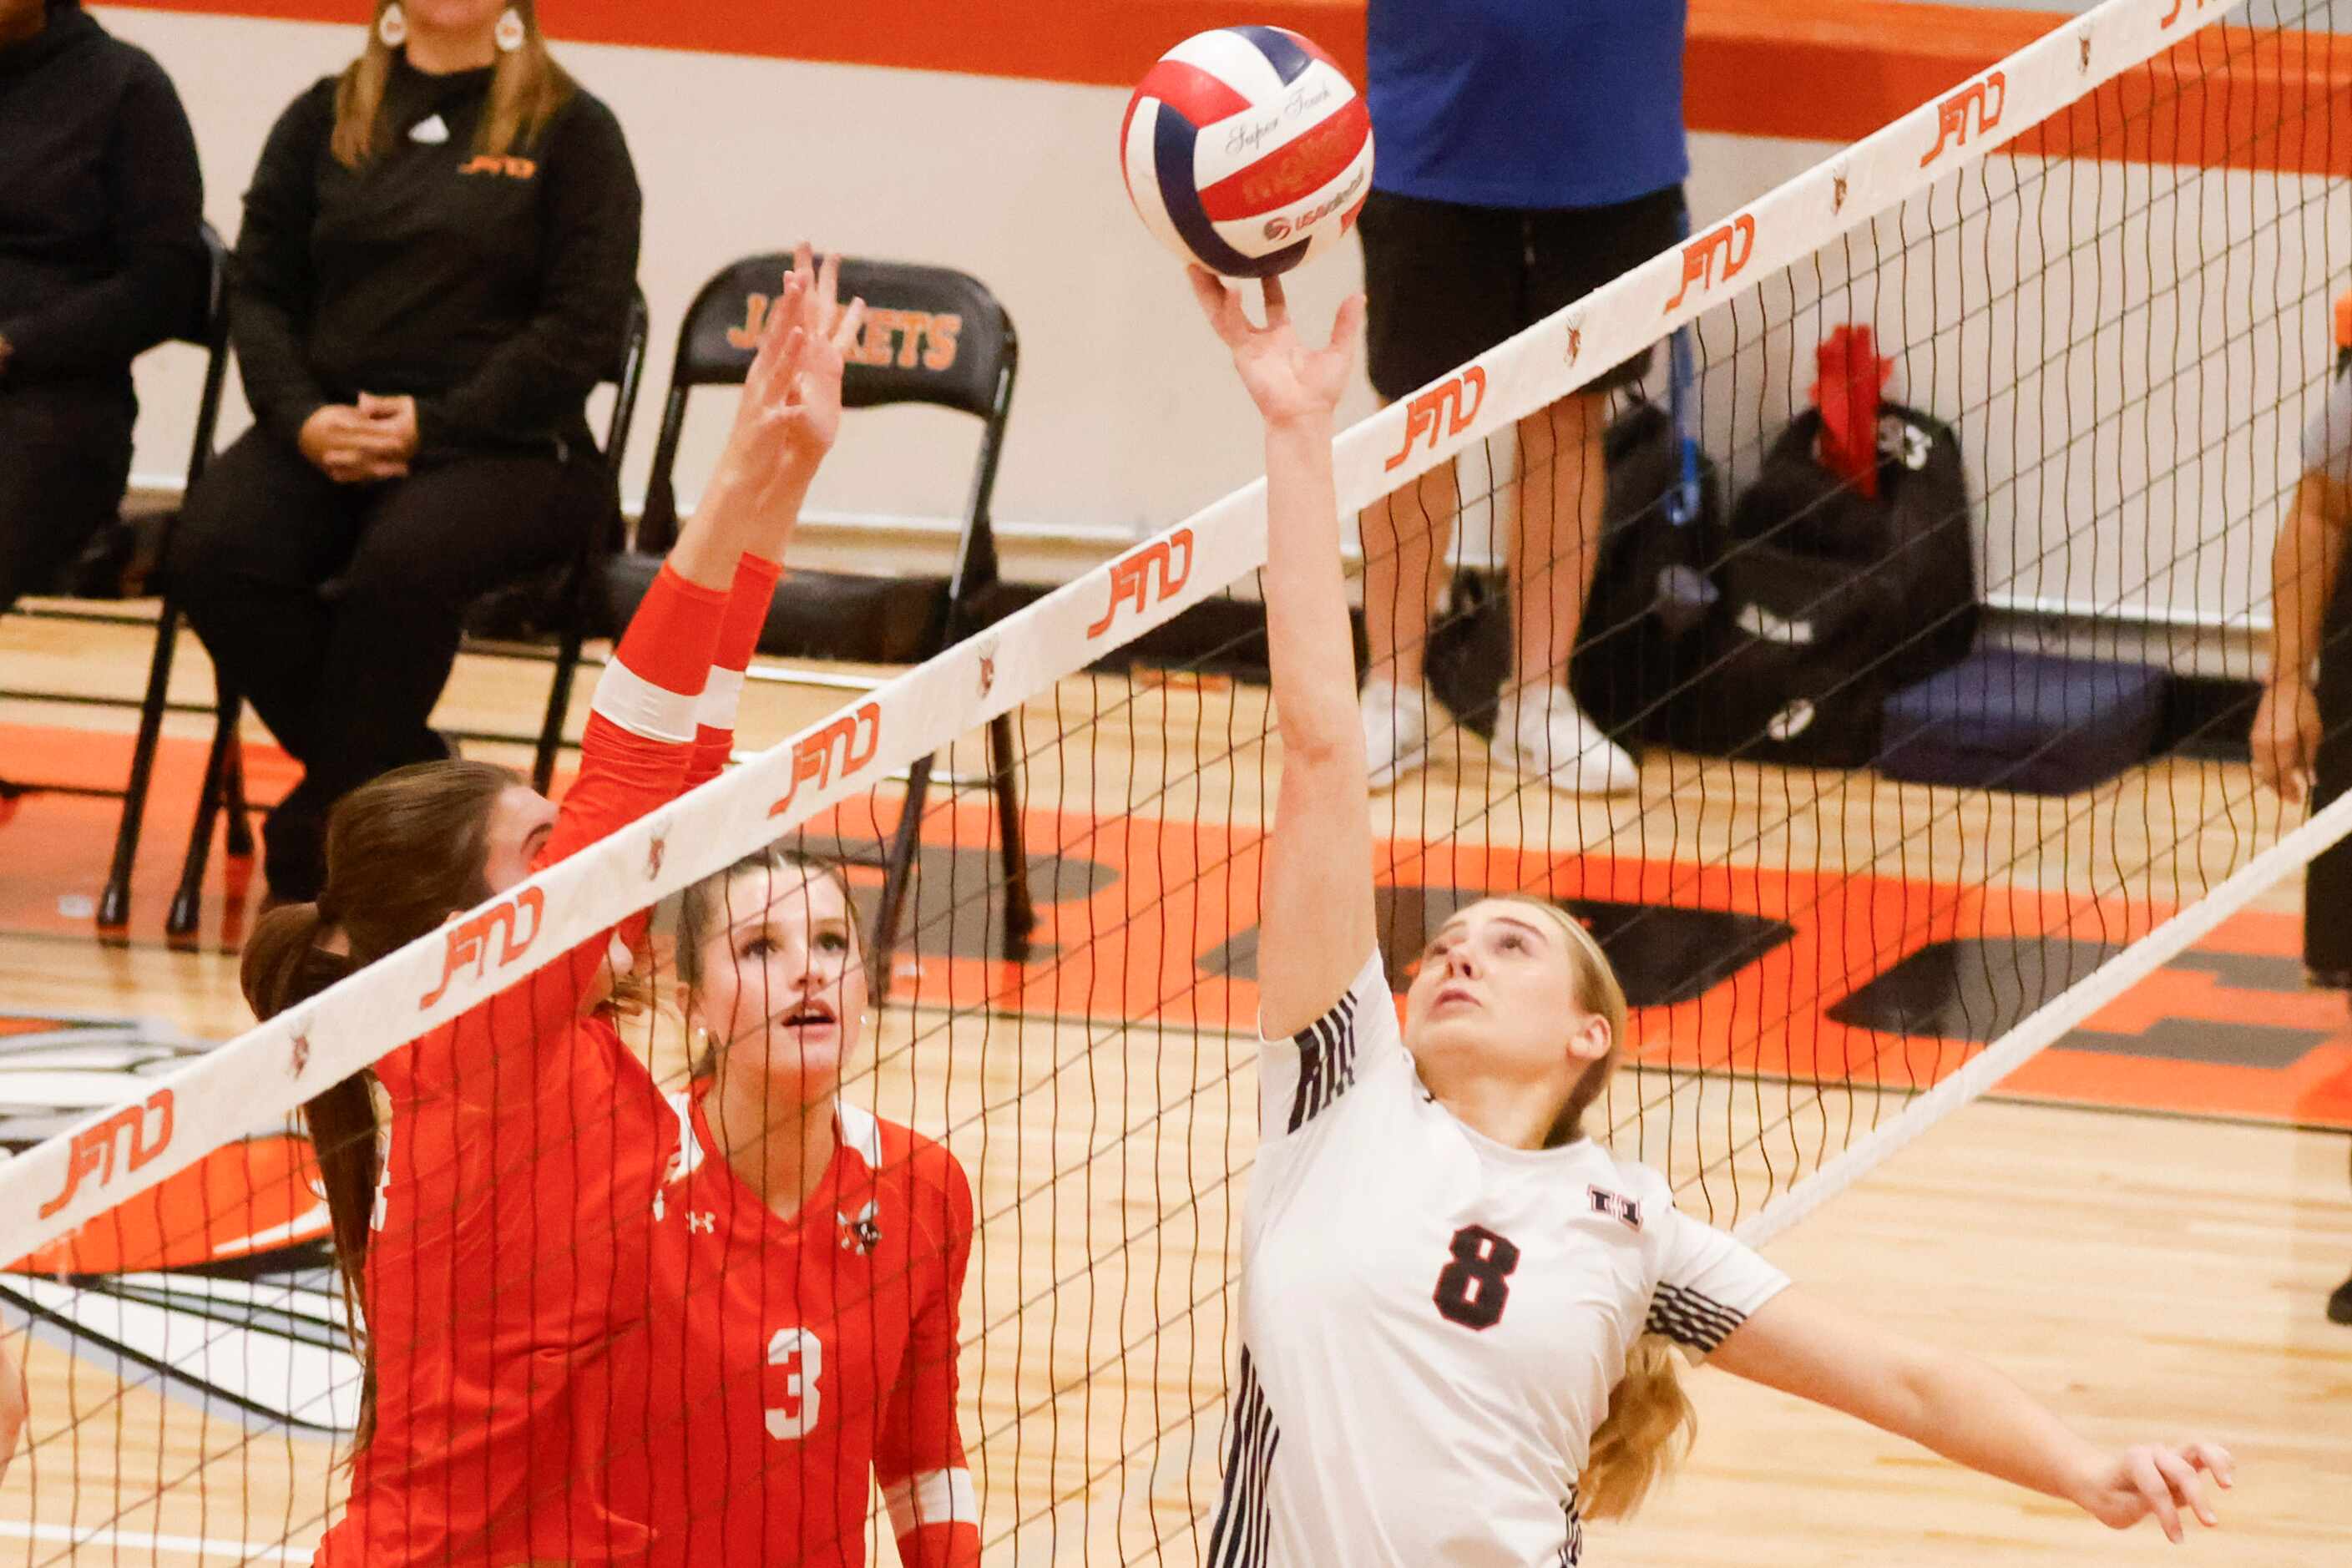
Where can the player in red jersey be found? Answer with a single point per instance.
(812, 1255)
(492, 1219)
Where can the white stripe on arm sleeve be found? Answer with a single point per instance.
(935, 1496)
(657, 713)
(720, 700)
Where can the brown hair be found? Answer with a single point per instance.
(403, 852)
(527, 90)
(702, 905)
(1651, 1421)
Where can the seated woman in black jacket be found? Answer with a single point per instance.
(435, 268)
(101, 259)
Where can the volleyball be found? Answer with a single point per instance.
(1247, 149)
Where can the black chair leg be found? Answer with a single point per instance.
(559, 708)
(1020, 908)
(238, 837)
(114, 898)
(897, 872)
(187, 901)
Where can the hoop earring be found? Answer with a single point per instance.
(391, 26)
(510, 34)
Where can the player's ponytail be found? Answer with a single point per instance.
(1650, 1426)
(402, 854)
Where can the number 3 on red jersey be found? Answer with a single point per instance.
(801, 1355)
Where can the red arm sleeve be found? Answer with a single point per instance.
(919, 1460)
(739, 640)
(633, 759)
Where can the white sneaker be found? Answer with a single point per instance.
(1543, 733)
(1396, 730)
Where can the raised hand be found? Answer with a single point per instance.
(2156, 1479)
(791, 410)
(1288, 381)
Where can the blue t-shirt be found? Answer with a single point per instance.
(1527, 103)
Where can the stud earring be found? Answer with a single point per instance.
(510, 34)
(391, 26)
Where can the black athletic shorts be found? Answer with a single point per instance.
(1444, 282)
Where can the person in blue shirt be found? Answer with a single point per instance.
(2301, 745)
(1528, 153)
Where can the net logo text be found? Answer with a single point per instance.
(1735, 242)
(1131, 577)
(1445, 409)
(470, 941)
(93, 1147)
(2174, 15)
(1987, 97)
(813, 758)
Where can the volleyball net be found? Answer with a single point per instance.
(2096, 282)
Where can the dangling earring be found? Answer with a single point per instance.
(511, 34)
(391, 26)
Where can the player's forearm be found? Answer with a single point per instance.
(2303, 563)
(1308, 641)
(1973, 1415)
(11, 1407)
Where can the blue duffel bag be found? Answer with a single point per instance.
(2030, 722)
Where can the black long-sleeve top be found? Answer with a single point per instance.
(101, 205)
(493, 290)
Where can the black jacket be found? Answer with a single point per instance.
(100, 204)
(493, 290)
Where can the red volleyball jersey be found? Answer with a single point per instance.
(505, 1284)
(792, 1359)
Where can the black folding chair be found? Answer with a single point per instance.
(934, 336)
(212, 336)
(569, 587)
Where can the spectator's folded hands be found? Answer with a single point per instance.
(352, 447)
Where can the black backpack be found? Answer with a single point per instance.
(1829, 600)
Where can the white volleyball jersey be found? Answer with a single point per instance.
(1432, 1323)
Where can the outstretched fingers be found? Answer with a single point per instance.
(1221, 305)
(2180, 1476)
(1347, 326)
(2215, 1459)
(1277, 304)
(846, 332)
(778, 341)
(2157, 1494)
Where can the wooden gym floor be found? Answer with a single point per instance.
(2141, 1227)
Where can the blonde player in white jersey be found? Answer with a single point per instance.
(1456, 1306)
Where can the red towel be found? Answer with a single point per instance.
(1847, 394)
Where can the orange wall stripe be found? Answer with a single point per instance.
(1821, 71)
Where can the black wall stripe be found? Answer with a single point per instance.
(1244, 1510)
(1327, 1062)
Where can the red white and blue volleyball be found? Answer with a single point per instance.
(1247, 149)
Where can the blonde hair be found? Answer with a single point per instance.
(527, 90)
(1651, 1422)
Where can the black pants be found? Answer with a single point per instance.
(346, 678)
(65, 455)
(2327, 881)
